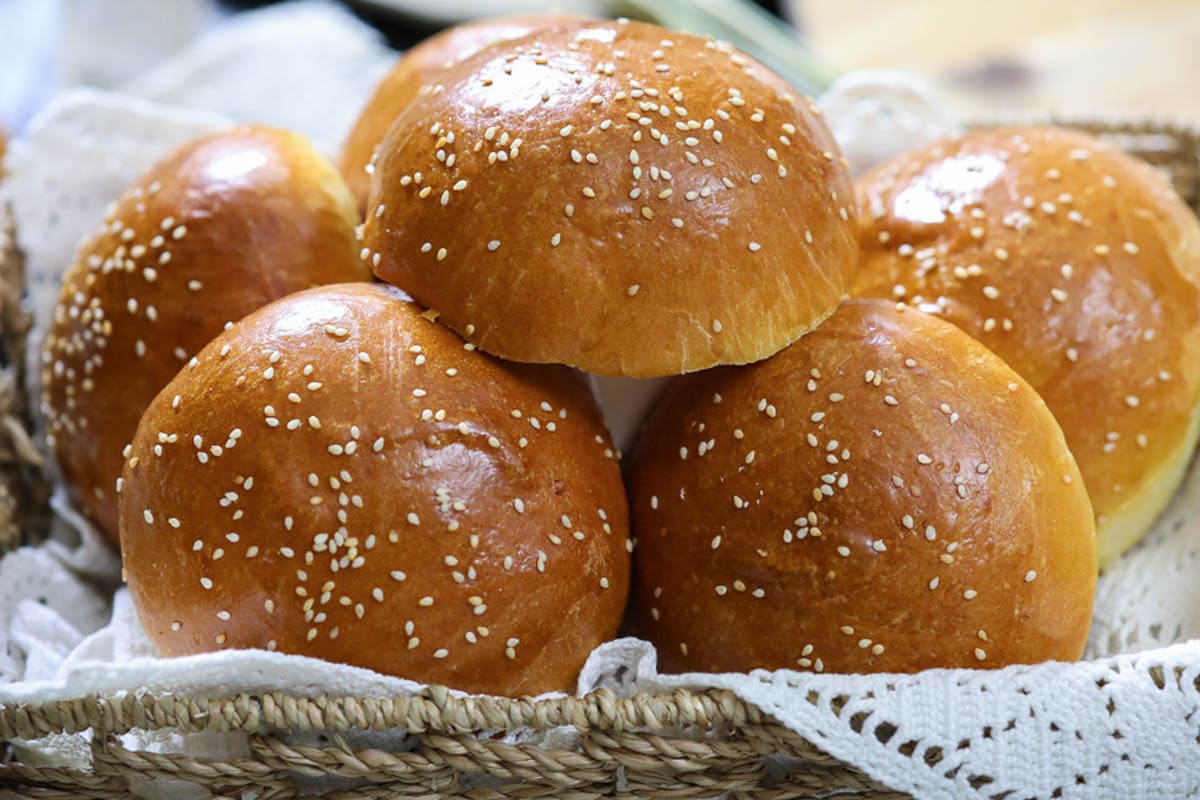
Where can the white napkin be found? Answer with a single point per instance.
(876, 114)
(307, 66)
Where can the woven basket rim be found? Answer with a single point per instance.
(435, 708)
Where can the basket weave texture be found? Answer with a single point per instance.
(676, 746)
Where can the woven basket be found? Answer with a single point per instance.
(682, 745)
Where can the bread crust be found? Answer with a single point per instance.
(340, 477)
(616, 197)
(1079, 266)
(885, 495)
(219, 228)
(416, 75)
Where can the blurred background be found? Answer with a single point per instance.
(1072, 56)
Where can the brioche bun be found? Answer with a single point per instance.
(616, 197)
(885, 495)
(1079, 266)
(219, 228)
(338, 476)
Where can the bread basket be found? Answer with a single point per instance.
(679, 745)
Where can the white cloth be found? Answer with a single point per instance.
(1029, 729)
(307, 66)
(876, 114)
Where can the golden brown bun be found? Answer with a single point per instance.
(221, 227)
(617, 197)
(342, 419)
(978, 230)
(413, 77)
(884, 495)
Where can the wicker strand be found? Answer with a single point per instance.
(109, 758)
(24, 482)
(374, 765)
(17, 774)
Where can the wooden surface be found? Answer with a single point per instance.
(1085, 56)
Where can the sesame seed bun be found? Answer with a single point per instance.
(885, 495)
(617, 197)
(413, 77)
(1079, 266)
(219, 228)
(338, 476)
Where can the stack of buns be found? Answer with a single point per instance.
(410, 478)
